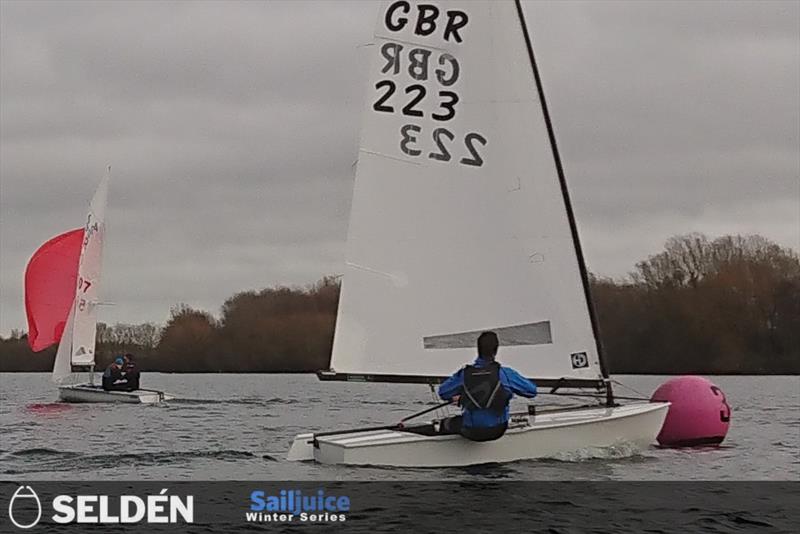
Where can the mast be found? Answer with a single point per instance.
(568, 205)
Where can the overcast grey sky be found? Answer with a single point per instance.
(232, 130)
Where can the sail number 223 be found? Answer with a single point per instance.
(442, 137)
(432, 91)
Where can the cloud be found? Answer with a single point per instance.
(232, 129)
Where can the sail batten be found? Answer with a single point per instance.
(477, 234)
(524, 334)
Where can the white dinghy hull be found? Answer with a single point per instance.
(92, 393)
(546, 435)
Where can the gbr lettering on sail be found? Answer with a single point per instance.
(419, 79)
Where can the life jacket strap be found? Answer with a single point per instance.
(490, 400)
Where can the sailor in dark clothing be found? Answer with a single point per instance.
(483, 391)
(131, 372)
(112, 377)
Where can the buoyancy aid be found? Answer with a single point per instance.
(483, 389)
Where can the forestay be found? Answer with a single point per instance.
(459, 222)
(86, 296)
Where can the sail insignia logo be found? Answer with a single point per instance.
(291, 505)
(579, 360)
(24, 496)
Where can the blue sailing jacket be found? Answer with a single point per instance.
(510, 380)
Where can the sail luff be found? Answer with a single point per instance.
(89, 272)
(567, 203)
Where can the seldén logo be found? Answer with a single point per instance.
(291, 505)
(25, 509)
(24, 498)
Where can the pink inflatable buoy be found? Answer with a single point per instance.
(699, 414)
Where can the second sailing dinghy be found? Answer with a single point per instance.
(461, 222)
(61, 297)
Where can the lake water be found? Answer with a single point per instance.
(240, 427)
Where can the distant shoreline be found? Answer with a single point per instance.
(723, 306)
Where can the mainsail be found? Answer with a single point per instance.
(86, 296)
(460, 219)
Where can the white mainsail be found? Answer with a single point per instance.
(459, 222)
(84, 313)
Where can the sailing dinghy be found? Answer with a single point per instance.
(461, 222)
(61, 296)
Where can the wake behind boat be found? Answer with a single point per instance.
(461, 222)
(61, 298)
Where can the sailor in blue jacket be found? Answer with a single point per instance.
(483, 391)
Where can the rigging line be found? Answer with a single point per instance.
(378, 154)
(444, 404)
(441, 410)
(364, 268)
(591, 395)
(617, 382)
(411, 43)
(395, 426)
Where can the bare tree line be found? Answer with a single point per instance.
(724, 305)
(727, 305)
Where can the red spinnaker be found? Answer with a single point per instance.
(50, 282)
